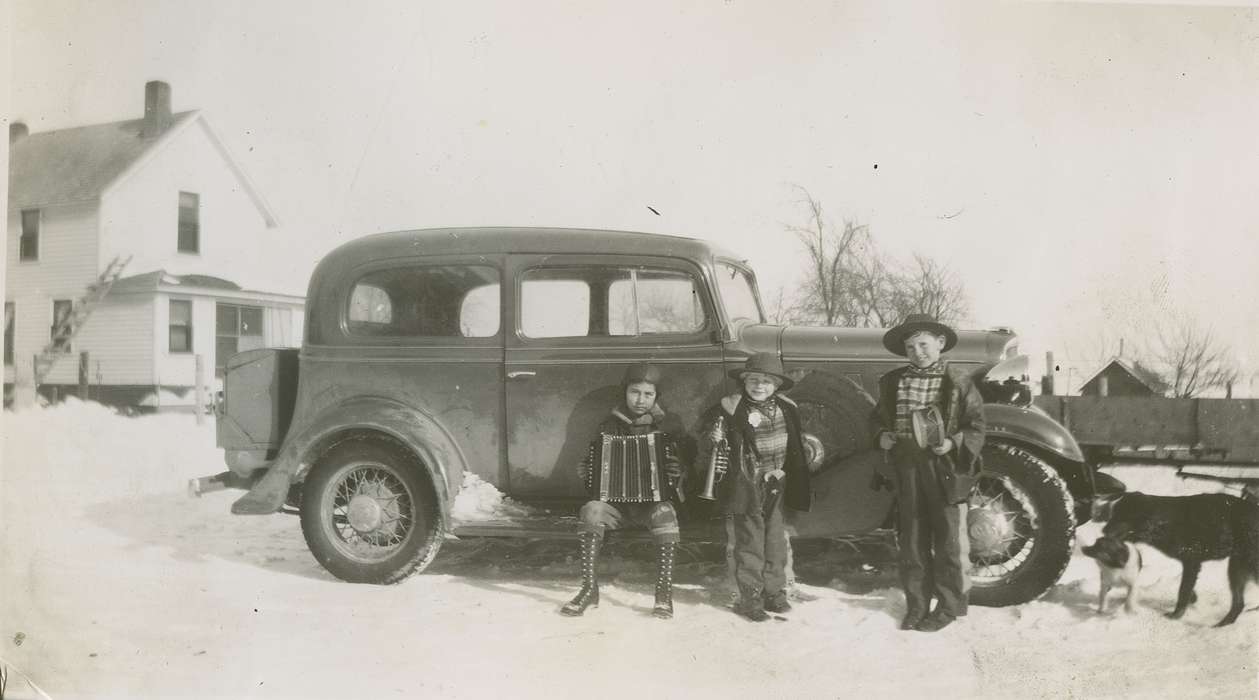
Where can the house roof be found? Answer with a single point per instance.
(75, 165)
(81, 163)
(150, 281)
(1139, 372)
(206, 285)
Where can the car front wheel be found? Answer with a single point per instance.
(369, 514)
(1021, 527)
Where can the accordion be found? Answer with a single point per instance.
(628, 468)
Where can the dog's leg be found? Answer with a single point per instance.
(1130, 603)
(1101, 596)
(1237, 576)
(1188, 579)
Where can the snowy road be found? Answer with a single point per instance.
(119, 586)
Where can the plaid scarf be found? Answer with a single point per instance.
(918, 387)
(769, 434)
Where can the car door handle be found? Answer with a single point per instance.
(521, 374)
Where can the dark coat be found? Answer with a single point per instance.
(737, 492)
(962, 408)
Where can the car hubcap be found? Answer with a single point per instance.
(1001, 522)
(814, 451)
(372, 511)
(364, 513)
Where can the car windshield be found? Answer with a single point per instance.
(738, 293)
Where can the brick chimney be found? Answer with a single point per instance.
(156, 108)
(16, 131)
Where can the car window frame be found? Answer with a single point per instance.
(522, 263)
(360, 272)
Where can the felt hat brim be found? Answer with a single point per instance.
(894, 339)
(737, 375)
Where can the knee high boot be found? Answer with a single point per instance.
(588, 596)
(664, 580)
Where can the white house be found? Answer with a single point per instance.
(165, 191)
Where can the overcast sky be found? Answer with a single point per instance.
(1079, 165)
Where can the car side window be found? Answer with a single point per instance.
(597, 301)
(444, 301)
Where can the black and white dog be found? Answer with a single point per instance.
(1119, 563)
(1192, 529)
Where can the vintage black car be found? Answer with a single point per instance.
(495, 351)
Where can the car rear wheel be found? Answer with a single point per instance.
(369, 514)
(1020, 525)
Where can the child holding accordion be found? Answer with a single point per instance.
(630, 436)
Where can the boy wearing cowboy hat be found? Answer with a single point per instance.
(767, 471)
(637, 414)
(932, 483)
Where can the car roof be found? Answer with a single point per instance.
(505, 239)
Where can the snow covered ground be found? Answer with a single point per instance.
(115, 584)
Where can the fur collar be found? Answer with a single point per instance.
(730, 403)
(649, 418)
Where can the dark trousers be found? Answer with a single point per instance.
(931, 535)
(760, 547)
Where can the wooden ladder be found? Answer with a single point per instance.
(70, 324)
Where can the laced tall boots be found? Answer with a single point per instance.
(664, 580)
(588, 596)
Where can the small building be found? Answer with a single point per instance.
(1122, 377)
(164, 193)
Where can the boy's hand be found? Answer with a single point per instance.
(879, 482)
(716, 434)
(886, 440)
(944, 447)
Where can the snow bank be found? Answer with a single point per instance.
(123, 587)
(480, 500)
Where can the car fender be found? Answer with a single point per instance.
(1019, 425)
(420, 433)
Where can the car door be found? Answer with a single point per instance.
(579, 322)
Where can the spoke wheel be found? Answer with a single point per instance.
(1021, 528)
(368, 513)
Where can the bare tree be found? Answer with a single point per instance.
(848, 281)
(782, 309)
(929, 287)
(823, 293)
(1193, 360)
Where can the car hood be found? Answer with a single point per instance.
(802, 343)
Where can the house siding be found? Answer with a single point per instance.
(178, 369)
(67, 264)
(117, 337)
(140, 214)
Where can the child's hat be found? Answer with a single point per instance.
(894, 339)
(642, 373)
(765, 363)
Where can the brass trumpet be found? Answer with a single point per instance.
(718, 461)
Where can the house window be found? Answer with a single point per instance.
(189, 222)
(180, 325)
(9, 313)
(28, 244)
(237, 329)
(60, 333)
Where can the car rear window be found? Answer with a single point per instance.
(445, 301)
